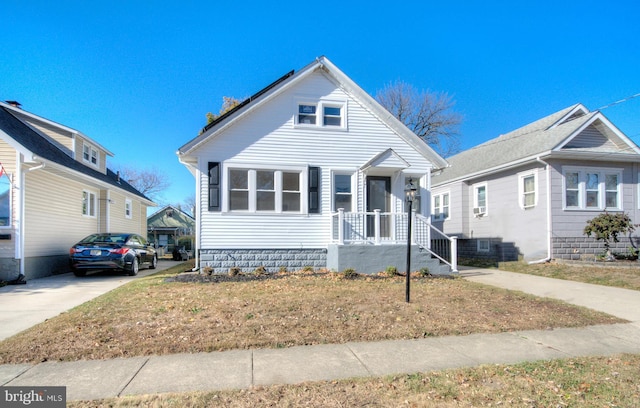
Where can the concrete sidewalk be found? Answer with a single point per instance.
(247, 368)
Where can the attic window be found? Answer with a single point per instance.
(333, 114)
(90, 154)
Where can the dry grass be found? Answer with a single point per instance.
(621, 274)
(577, 382)
(151, 316)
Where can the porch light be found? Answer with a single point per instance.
(410, 192)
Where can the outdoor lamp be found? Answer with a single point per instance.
(410, 191)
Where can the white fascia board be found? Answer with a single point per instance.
(191, 146)
(496, 169)
(578, 107)
(599, 116)
(71, 131)
(17, 146)
(384, 115)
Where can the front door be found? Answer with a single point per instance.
(378, 198)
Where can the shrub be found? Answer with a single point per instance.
(391, 271)
(260, 270)
(424, 272)
(207, 270)
(349, 273)
(283, 269)
(235, 271)
(606, 227)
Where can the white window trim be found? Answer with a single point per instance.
(320, 104)
(349, 173)
(128, 204)
(91, 203)
(92, 150)
(440, 217)
(521, 191)
(582, 190)
(476, 187)
(252, 187)
(481, 249)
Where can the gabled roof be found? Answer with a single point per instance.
(36, 147)
(291, 78)
(573, 132)
(179, 219)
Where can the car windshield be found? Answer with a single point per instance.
(105, 239)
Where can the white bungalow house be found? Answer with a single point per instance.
(56, 188)
(528, 193)
(310, 171)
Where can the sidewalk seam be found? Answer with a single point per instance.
(119, 394)
(359, 360)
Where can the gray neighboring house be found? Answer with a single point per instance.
(529, 193)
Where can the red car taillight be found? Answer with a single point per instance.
(119, 251)
(74, 251)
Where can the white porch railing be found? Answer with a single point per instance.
(378, 228)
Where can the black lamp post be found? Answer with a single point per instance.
(410, 191)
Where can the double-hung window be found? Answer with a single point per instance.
(528, 188)
(88, 204)
(321, 114)
(128, 208)
(342, 197)
(592, 189)
(265, 190)
(480, 199)
(90, 154)
(441, 206)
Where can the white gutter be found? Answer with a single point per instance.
(549, 248)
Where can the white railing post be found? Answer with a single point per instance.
(454, 254)
(340, 226)
(377, 226)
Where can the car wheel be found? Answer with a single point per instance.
(80, 273)
(154, 262)
(135, 267)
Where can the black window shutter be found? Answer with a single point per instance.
(214, 186)
(314, 190)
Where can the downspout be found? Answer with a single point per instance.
(549, 249)
(21, 227)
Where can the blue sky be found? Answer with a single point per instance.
(139, 76)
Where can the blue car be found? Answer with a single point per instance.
(117, 251)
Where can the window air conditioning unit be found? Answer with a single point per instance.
(478, 211)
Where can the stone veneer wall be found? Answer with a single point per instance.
(221, 260)
(587, 248)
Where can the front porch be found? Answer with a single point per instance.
(385, 235)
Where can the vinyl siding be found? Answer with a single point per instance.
(53, 216)
(119, 222)
(268, 137)
(506, 220)
(571, 223)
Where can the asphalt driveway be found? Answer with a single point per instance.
(23, 306)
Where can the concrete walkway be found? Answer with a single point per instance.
(247, 368)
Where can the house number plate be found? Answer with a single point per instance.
(96, 252)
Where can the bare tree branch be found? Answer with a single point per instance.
(428, 114)
(149, 182)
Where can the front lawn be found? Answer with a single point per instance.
(152, 316)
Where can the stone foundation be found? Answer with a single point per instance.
(221, 260)
(587, 248)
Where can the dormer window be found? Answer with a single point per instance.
(90, 155)
(322, 114)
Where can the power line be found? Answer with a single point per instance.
(628, 98)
